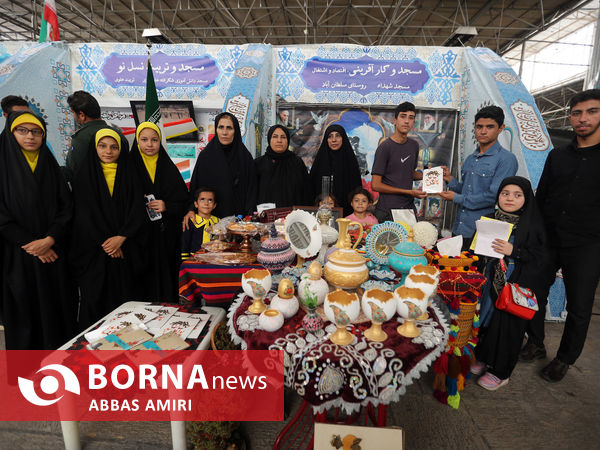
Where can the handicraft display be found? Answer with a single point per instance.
(329, 375)
(382, 239)
(345, 267)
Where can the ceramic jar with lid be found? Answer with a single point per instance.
(275, 252)
(405, 255)
(346, 269)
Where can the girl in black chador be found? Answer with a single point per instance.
(109, 213)
(38, 303)
(156, 174)
(498, 349)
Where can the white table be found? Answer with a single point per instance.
(70, 428)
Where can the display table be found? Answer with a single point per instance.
(216, 285)
(70, 429)
(326, 375)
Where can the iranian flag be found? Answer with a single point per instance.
(49, 27)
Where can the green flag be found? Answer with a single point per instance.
(152, 105)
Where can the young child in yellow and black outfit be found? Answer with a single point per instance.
(196, 234)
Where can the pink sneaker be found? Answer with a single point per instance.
(478, 368)
(491, 382)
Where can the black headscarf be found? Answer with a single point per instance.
(282, 177)
(32, 198)
(342, 164)
(529, 237)
(168, 184)
(229, 170)
(162, 249)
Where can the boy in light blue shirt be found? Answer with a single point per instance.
(481, 174)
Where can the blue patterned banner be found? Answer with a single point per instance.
(365, 75)
(356, 75)
(248, 87)
(41, 74)
(169, 70)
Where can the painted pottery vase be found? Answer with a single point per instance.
(312, 283)
(342, 308)
(411, 303)
(312, 321)
(379, 306)
(256, 283)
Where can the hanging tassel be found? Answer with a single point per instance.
(451, 386)
(441, 397)
(441, 365)
(453, 366)
(454, 400)
(465, 364)
(460, 383)
(439, 382)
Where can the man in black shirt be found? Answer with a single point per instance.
(569, 198)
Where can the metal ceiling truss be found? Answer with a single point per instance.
(502, 25)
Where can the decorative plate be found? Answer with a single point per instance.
(374, 284)
(303, 233)
(226, 258)
(382, 239)
(383, 275)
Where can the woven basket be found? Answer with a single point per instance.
(465, 323)
(213, 334)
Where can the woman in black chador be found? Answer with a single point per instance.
(336, 159)
(282, 175)
(156, 174)
(226, 166)
(109, 213)
(524, 253)
(38, 305)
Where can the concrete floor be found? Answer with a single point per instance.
(527, 413)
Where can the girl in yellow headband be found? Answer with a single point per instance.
(106, 251)
(165, 193)
(38, 303)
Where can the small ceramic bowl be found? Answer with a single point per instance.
(270, 320)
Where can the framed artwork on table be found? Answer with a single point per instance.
(171, 111)
(336, 437)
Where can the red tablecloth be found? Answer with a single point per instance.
(327, 375)
(215, 285)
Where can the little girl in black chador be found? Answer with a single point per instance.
(498, 349)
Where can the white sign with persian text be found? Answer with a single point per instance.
(238, 106)
(531, 133)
